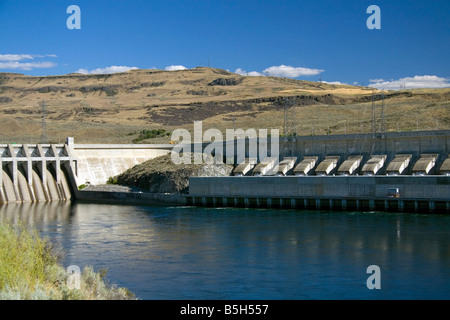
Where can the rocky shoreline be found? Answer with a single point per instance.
(112, 188)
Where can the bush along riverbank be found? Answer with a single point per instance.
(30, 269)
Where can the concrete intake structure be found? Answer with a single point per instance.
(407, 171)
(350, 165)
(425, 164)
(305, 166)
(243, 168)
(328, 165)
(373, 165)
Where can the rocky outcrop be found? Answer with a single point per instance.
(225, 82)
(161, 175)
(5, 99)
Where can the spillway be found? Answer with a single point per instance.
(34, 173)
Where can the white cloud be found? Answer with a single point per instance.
(415, 82)
(26, 65)
(15, 57)
(245, 73)
(281, 71)
(175, 68)
(333, 82)
(111, 69)
(14, 61)
(291, 72)
(377, 80)
(83, 71)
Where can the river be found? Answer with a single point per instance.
(174, 253)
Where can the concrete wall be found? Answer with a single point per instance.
(369, 143)
(131, 197)
(98, 162)
(373, 187)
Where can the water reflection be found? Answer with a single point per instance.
(208, 253)
(40, 213)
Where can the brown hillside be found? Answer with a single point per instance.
(114, 108)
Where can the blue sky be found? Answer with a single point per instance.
(302, 39)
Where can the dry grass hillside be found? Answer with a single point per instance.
(115, 108)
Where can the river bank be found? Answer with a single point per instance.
(31, 269)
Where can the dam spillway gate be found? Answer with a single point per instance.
(35, 172)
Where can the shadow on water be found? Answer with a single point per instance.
(234, 253)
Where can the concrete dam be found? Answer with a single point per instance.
(53, 172)
(331, 171)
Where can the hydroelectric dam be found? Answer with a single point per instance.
(399, 171)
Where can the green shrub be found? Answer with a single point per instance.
(30, 270)
(111, 92)
(23, 257)
(149, 134)
(112, 180)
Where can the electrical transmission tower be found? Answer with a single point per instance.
(383, 117)
(44, 138)
(285, 106)
(373, 114)
(289, 116)
(382, 126)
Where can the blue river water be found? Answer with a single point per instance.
(175, 253)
